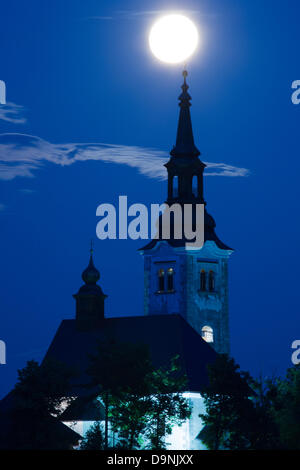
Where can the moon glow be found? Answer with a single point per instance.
(173, 38)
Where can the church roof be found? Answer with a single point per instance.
(17, 426)
(166, 335)
(209, 235)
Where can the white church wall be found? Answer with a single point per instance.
(81, 427)
(184, 437)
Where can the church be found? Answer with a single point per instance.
(185, 302)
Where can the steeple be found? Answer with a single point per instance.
(90, 298)
(185, 145)
(185, 169)
(185, 174)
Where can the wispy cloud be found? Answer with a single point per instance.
(2, 207)
(11, 112)
(223, 169)
(135, 14)
(27, 191)
(22, 155)
(99, 18)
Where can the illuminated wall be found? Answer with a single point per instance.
(183, 437)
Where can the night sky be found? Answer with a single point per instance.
(80, 73)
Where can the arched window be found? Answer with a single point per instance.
(170, 279)
(207, 334)
(161, 280)
(195, 185)
(203, 280)
(175, 186)
(211, 281)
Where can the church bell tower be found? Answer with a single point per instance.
(178, 280)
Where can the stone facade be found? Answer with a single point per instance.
(202, 305)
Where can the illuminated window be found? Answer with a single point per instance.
(211, 281)
(170, 279)
(207, 334)
(161, 280)
(203, 280)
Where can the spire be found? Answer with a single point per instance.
(185, 146)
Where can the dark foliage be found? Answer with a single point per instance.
(142, 403)
(28, 421)
(243, 413)
(94, 438)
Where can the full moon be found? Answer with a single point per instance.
(173, 38)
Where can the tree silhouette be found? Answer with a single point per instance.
(243, 413)
(28, 420)
(94, 439)
(141, 403)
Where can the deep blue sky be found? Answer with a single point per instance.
(83, 79)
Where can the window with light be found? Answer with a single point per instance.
(207, 334)
(170, 279)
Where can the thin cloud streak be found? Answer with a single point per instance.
(11, 112)
(99, 18)
(22, 154)
(127, 14)
(27, 191)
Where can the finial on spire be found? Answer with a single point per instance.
(185, 98)
(92, 247)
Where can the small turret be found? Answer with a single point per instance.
(90, 298)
